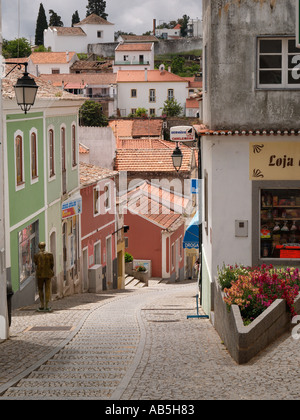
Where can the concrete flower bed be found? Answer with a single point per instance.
(244, 342)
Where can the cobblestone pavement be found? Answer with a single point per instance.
(136, 345)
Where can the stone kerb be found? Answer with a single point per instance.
(244, 342)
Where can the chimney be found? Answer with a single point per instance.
(169, 69)
(146, 75)
(67, 56)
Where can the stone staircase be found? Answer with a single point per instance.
(133, 283)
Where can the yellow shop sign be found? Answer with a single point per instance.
(274, 161)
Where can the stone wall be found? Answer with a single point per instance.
(244, 342)
(161, 47)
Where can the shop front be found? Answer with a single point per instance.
(275, 172)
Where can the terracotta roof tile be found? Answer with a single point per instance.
(134, 47)
(150, 160)
(51, 57)
(205, 131)
(46, 89)
(138, 76)
(90, 174)
(84, 78)
(93, 19)
(67, 31)
(146, 200)
(139, 38)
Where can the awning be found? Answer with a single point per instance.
(191, 236)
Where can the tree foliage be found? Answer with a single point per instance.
(172, 108)
(97, 7)
(19, 47)
(91, 115)
(75, 18)
(41, 25)
(55, 20)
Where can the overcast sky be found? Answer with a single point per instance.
(128, 15)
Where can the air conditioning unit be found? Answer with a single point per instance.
(95, 279)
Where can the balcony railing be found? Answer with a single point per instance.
(132, 63)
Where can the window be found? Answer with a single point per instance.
(33, 150)
(278, 63)
(107, 192)
(63, 149)
(152, 112)
(74, 160)
(99, 34)
(152, 97)
(133, 93)
(96, 201)
(125, 57)
(28, 241)
(51, 154)
(133, 110)
(170, 94)
(280, 223)
(97, 252)
(19, 159)
(55, 71)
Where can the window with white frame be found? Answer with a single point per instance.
(96, 201)
(74, 150)
(278, 63)
(33, 155)
(97, 252)
(170, 94)
(51, 153)
(152, 96)
(19, 159)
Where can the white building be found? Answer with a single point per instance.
(91, 30)
(51, 62)
(165, 33)
(134, 57)
(149, 89)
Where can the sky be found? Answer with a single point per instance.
(135, 16)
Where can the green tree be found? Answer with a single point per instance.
(75, 18)
(19, 47)
(184, 25)
(177, 64)
(55, 20)
(41, 25)
(91, 115)
(97, 7)
(172, 108)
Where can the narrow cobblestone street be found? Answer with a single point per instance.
(136, 345)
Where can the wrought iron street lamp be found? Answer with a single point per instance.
(177, 157)
(25, 88)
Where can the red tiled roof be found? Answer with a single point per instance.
(84, 79)
(51, 57)
(143, 143)
(89, 174)
(151, 160)
(134, 47)
(192, 103)
(93, 19)
(205, 131)
(67, 31)
(156, 205)
(138, 76)
(136, 127)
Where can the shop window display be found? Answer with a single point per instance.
(280, 223)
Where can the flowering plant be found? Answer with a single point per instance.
(255, 289)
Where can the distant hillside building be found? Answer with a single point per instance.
(91, 30)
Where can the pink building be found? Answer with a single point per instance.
(98, 227)
(156, 230)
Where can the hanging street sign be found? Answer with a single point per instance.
(182, 133)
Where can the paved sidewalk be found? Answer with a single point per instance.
(35, 337)
(136, 345)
